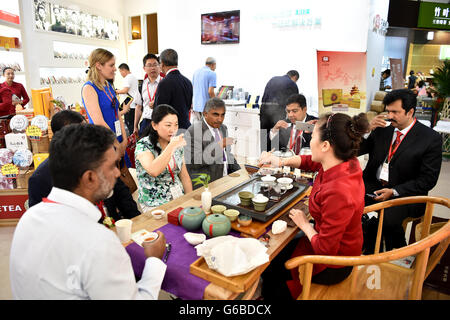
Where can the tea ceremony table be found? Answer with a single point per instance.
(188, 276)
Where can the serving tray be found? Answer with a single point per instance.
(230, 198)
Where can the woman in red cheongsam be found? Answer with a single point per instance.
(336, 203)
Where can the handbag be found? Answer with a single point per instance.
(127, 178)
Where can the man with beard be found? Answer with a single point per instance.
(59, 251)
(405, 159)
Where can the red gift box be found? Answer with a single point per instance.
(172, 216)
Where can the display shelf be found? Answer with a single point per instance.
(10, 24)
(11, 49)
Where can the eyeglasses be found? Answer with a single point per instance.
(152, 65)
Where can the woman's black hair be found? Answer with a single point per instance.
(158, 114)
(343, 132)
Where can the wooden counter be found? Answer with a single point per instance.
(249, 280)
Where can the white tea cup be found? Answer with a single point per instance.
(123, 229)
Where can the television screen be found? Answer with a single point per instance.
(220, 27)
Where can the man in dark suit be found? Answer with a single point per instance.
(207, 147)
(40, 182)
(273, 103)
(175, 89)
(119, 205)
(284, 134)
(400, 164)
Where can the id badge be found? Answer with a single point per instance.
(384, 175)
(176, 192)
(118, 128)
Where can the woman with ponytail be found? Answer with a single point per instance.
(99, 97)
(160, 167)
(336, 203)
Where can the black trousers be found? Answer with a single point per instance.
(121, 204)
(144, 124)
(393, 233)
(274, 278)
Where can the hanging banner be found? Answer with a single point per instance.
(341, 81)
(397, 73)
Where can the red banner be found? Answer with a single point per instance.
(6, 16)
(12, 206)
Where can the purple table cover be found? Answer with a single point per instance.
(177, 280)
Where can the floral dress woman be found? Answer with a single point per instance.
(155, 191)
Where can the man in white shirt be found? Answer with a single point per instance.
(130, 87)
(59, 250)
(208, 149)
(148, 92)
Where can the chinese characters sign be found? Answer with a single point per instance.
(434, 15)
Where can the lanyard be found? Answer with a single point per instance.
(170, 169)
(148, 92)
(111, 99)
(46, 200)
(99, 205)
(392, 152)
(292, 141)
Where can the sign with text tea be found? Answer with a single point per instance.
(434, 15)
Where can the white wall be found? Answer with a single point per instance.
(264, 51)
(38, 45)
(375, 48)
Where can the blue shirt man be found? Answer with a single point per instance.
(204, 82)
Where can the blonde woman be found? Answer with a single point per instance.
(99, 97)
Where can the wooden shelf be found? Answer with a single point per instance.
(10, 24)
(11, 49)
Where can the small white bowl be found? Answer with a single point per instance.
(268, 179)
(151, 237)
(285, 182)
(194, 238)
(259, 198)
(158, 214)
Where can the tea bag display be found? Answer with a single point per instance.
(23, 158)
(6, 156)
(41, 122)
(18, 123)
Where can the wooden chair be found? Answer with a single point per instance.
(373, 276)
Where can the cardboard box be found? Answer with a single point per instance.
(16, 141)
(172, 216)
(22, 178)
(41, 146)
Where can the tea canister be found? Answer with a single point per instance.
(191, 218)
(216, 225)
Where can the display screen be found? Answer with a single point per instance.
(434, 15)
(220, 27)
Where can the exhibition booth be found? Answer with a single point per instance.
(335, 48)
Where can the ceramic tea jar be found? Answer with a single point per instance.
(191, 218)
(216, 225)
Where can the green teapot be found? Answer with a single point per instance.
(216, 225)
(191, 218)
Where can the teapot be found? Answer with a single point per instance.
(216, 225)
(191, 218)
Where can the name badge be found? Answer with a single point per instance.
(176, 192)
(384, 175)
(118, 128)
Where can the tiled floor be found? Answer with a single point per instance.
(441, 189)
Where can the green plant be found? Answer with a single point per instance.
(441, 85)
(202, 179)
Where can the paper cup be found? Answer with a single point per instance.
(123, 229)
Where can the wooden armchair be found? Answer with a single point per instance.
(373, 276)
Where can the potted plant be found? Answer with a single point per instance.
(203, 179)
(440, 89)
